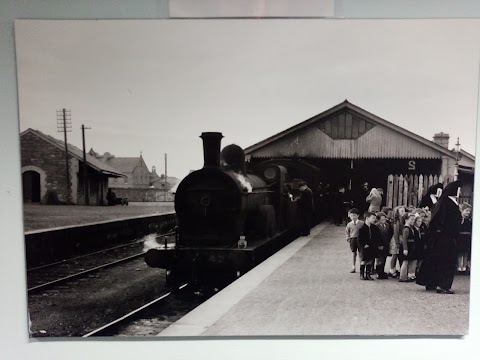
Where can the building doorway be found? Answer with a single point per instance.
(31, 186)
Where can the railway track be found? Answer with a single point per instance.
(115, 327)
(42, 277)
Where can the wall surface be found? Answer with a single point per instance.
(45, 246)
(142, 195)
(98, 187)
(39, 153)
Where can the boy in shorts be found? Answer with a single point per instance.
(352, 234)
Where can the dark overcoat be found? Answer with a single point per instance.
(439, 265)
(338, 205)
(369, 235)
(420, 241)
(464, 238)
(306, 209)
(386, 234)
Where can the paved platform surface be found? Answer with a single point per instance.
(306, 289)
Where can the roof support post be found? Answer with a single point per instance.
(448, 168)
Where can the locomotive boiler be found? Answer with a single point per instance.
(228, 219)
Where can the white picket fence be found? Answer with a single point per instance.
(408, 189)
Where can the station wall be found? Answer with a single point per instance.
(142, 195)
(50, 159)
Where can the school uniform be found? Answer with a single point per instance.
(420, 235)
(386, 234)
(368, 235)
(408, 261)
(396, 238)
(464, 237)
(407, 243)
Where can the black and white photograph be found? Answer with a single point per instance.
(238, 178)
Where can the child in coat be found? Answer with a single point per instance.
(407, 251)
(397, 225)
(386, 234)
(464, 239)
(420, 229)
(368, 242)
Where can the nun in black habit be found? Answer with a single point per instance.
(430, 198)
(438, 268)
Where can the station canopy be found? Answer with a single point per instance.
(347, 131)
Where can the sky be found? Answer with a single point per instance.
(153, 86)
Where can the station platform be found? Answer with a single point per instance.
(306, 289)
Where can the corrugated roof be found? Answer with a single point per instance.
(76, 153)
(430, 145)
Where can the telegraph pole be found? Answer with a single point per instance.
(166, 178)
(85, 169)
(64, 124)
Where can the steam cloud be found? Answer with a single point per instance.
(150, 242)
(244, 182)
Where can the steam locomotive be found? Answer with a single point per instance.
(230, 219)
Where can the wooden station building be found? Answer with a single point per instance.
(350, 146)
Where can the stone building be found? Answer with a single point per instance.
(139, 184)
(350, 146)
(135, 170)
(44, 174)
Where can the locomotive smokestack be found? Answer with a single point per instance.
(211, 148)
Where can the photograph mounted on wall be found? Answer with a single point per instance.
(248, 177)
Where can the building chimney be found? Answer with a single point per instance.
(211, 149)
(441, 139)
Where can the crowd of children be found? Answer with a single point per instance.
(399, 233)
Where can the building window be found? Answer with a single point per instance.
(345, 126)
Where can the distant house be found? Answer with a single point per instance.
(44, 172)
(135, 170)
(158, 182)
(139, 184)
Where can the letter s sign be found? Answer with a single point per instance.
(411, 165)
